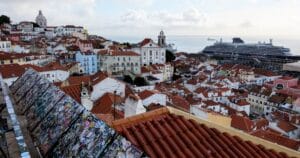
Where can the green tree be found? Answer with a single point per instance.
(4, 19)
(169, 56)
(128, 79)
(140, 81)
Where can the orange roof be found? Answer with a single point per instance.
(144, 69)
(242, 102)
(276, 138)
(286, 78)
(286, 126)
(93, 79)
(104, 105)
(118, 53)
(163, 134)
(11, 70)
(145, 41)
(180, 102)
(107, 118)
(73, 91)
(146, 93)
(242, 123)
(7, 56)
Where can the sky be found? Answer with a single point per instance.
(177, 17)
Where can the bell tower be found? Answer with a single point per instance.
(161, 39)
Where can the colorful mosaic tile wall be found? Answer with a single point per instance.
(63, 128)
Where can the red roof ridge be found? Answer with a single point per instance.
(166, 132)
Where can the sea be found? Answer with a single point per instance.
(196, 43)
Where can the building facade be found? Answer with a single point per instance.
(151, 52)
(88, 61)
(117, 62)
(41, 20)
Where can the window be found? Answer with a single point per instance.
(150, 52)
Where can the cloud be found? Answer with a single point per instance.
(246, 24)
(163, 18)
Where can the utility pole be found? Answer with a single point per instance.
(115, 92)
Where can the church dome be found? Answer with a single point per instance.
(41, 20)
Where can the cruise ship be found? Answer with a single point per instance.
(239, 47)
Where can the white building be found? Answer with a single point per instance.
(25, 27)
(68, 30)
(41, 20)
(105, 85)
(133, 106)
(148, 97)
(5, 45)
(240, 105)
(258, 99)
(118, 62)
(151, 52)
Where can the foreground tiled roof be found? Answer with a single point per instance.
(277, 138)
(161, 133)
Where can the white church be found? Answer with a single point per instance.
(41, 20)
(151, 52)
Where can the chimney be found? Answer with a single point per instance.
(85, 98)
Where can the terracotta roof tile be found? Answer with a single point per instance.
(118, 53)
(162, 134)
(11, 70)
(286, 126)
(73, 91)
(180, 102)
(146, 93)
(277, 138)
(88, 79)
(104, 105)
(242, 123)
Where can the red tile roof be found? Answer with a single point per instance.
(276, 138)
(180, 102)
(146, 93)
(286, 78)
(73, 91)
(242, 102)
(261, 123)
(88, 79)
(107, 118)
(163, 134)
(145, 41)
(242, 123)
(286, 126)
(118, 53)
(104, 105)
(11, 70)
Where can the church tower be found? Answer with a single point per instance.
(41, 20)
(161, 39)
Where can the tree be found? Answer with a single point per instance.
(4, 19)
(128, 79)
(140, 81)
(169, 56)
